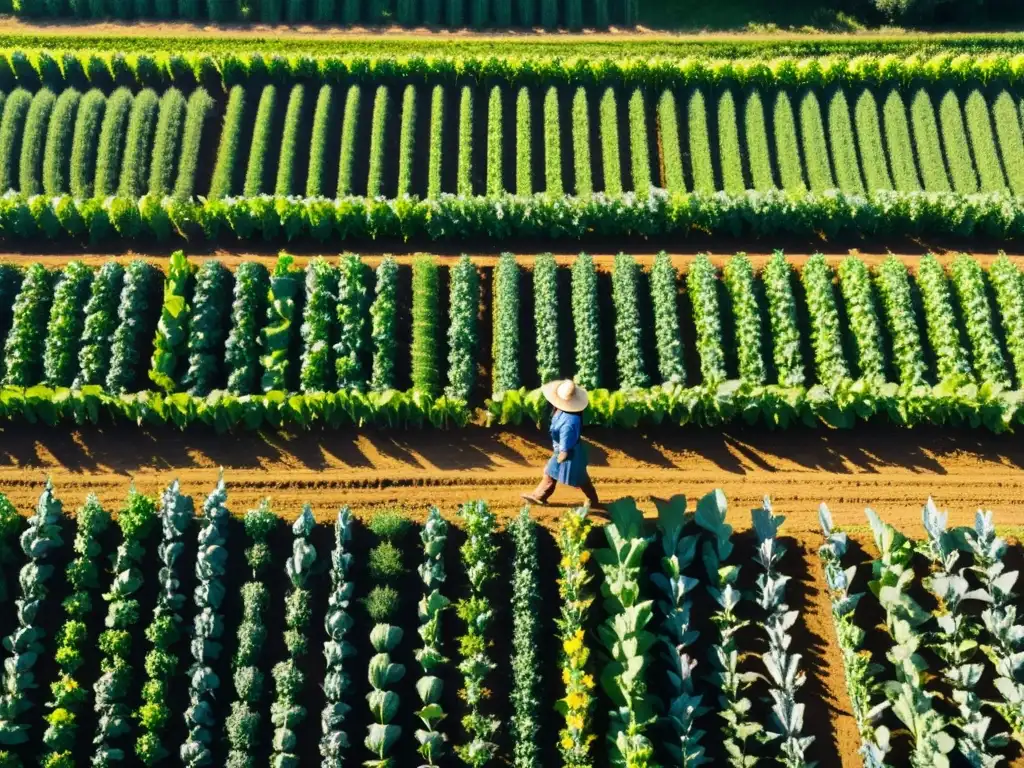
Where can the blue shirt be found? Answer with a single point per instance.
(565, 437)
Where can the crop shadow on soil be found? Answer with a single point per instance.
(737, 450)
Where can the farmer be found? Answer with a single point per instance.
(568, 464)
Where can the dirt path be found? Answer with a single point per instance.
(891, 469)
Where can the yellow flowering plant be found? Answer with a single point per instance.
(575, 738)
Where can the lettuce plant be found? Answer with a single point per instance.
(338, 623)
(67, 694)
(287, 712)
(625, 636)
(826, 339)
(170, 344)
(164, 631)
(39, 541)
(244, 722)
(865, 329)
(677, 632)
(778, 288)
(207, 628)
(738, 277)
(526, 606)
(479, 555)
(430, 656)
(702, 284)
(943, 334)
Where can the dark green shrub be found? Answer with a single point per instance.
(319, 315)
(100, 325)
(24, 346)
(12, 128)
(208, 328)
(33, 145)
(167, 144)
(198, 110)
(88, 121)
(385, 562)
(296, 11)
(382, 326)
(111, 142)
(136, 322)
(248, 313)
(222, 183)
(381, 603)
(59, 137)
(65, 326)
(353, 300)
(262, 142)
(139, 146)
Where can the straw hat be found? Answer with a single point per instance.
(565, 395)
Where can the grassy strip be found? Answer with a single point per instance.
(738, 277)
(347, 152)
(59, 136)
(581, 144)
(524, 160)
(668, 135)
(869, 141)
(787, 145)
(464, 179)
(819, 175)
(505, 339)
(426, 377)
(1011, 141)
(958, 148)
(262, 142)
(495, 136)
(729, 153)
(844, 145)
(552, 144)
(639, 151)
(285, 183)
(436, 137)
(897, 140)
(222, 184)
(323, 117)
(758, 154)
(700, 147)
(983, 143)
(167, 142)
(610, 160)
(198, 110)
(12, 128)
(926, 141)
(406, 141)
(378, 142)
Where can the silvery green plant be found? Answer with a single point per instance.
(337, 623)
(892, 577)
(286, 713)
(207, 627)
(526, 679)
(243, 724)
(675, 603)
(716, 548)
(955, 640)
(1005, 637)
(39, 540)
(430, 656)
(784, 676)
(462, 337)
(625, 636)
(110, 691)
(176, 513)
(862, 675)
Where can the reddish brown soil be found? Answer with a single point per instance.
(892, 470)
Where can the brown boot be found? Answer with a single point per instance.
(542, 492)
(591, 493)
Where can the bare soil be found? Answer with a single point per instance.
(892, 470)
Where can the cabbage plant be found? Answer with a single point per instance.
(337, 623)
(430, 740)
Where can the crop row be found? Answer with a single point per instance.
(479, 14)
(389, 624)
(836, 342)
(333, 141)
(949, 687)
